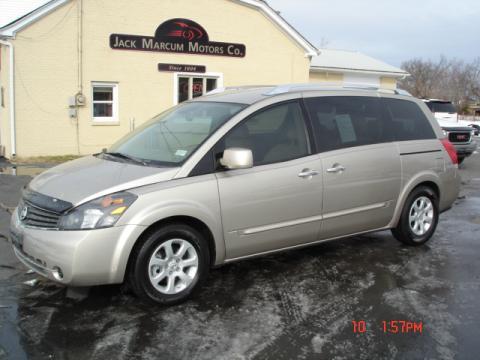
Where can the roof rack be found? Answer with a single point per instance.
(282, 89)
(233, 88)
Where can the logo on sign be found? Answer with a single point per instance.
(177, 36)
(186, 31)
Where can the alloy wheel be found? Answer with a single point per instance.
(173, 266)
(421, 215)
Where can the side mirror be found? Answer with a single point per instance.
(237, 158)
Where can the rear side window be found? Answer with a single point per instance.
(407, 120)
(347, 121)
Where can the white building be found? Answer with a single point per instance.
(351, 67)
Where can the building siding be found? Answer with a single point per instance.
(388, 82)
(47, 66)
(46, 75)
(324, 76)
(5, 110)
(384, 82)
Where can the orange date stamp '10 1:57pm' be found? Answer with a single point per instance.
(391, 327)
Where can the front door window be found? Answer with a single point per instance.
(190, 87)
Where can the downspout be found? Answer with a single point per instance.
(13, 137)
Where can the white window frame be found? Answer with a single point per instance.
(106, 119)
(204, 76)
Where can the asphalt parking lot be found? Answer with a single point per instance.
(296, 305)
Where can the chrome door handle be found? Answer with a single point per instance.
(336, 169)
(307, 173)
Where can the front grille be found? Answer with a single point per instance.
(34, 216)
(459, 137)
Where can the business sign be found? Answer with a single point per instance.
(182, 68)
(177, 36)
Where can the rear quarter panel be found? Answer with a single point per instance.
(426, 161)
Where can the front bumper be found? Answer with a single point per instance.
(465, 149)
(84, 258)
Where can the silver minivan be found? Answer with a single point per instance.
(236, 174)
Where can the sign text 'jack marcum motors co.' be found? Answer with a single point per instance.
(177, 36)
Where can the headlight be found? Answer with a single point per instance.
(445, 132)
(99, 213)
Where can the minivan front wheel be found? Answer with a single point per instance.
(170, 264)
(419, 217)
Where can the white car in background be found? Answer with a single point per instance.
(442, 109)
(447, 115)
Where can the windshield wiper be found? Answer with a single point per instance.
(127, 157)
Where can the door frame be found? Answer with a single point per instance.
(177, 75)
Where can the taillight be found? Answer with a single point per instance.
(450, 150)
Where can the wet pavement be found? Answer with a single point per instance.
(296, 305)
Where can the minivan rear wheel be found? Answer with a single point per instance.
(419, 217)
(170, 264)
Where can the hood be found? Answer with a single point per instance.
(466, 123)
(446, 116)
(449, 124)
(88, 178)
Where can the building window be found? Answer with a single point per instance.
(105, 102)
(190, 87)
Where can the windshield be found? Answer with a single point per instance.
(171, 137)
(442, 107)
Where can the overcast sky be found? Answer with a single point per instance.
(390, 30)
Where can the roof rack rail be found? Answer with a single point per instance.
(282, 89)
(243, 87)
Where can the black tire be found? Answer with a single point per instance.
(403, 232)
(460, 159)
(138, 276)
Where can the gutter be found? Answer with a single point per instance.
(13, 137)
(11, 29)
(273, 15)
(402, 75)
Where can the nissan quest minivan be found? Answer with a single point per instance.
(236, 174)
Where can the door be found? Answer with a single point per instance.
(277, 203)
(361, 164)
(190, 87)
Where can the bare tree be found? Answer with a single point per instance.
(453, 80)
